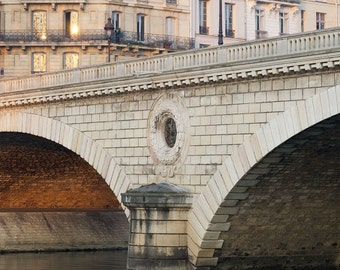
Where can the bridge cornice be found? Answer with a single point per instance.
(273, 57)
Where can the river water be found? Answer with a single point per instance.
(85, 260)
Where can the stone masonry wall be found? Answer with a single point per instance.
(61, 231)
(291, 217)
(220, 116)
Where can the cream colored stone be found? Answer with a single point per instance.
(301, 107)
(195, 228)
(168, 240)
(112, 138)
(220, 185)
(206, 208)
(310, 112)
(103, 164)
(273, 124)
(332, 100)
(325, 104)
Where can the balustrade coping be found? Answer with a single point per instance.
(118, 71)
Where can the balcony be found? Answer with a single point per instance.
(27, 38)
(158, 41)
(282, 2)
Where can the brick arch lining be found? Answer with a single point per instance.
(72, 140)
(218, 201)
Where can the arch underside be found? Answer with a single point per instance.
(262, 175)
(291, 215)
(63, 185)
(72, 139)
(37, 173)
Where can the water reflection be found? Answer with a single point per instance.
(101, 260)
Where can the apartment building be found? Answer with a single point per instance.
(41, 36)
(256, 19)
(50, 35)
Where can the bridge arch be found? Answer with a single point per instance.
(72, 139)
(210, 212)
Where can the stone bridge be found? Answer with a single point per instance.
(220, 157)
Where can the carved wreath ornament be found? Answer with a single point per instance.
(168, 134)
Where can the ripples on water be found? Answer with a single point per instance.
(98, 260)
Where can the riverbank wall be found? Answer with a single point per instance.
(36, 231)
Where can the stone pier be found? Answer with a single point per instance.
(158, 226)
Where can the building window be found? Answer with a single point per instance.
(115, 19)
(283, 20)
(229, 32)
(320, 21)
(39, 62)
(302, 21)
(169, 32)
(201, 46)
(140, 27)
(170, 26)
(39, 25)
(71, 60)
(259, 24)
(71, 24)
(203, 18)
(259, 19)
(171, 2)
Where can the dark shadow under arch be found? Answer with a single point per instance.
(38, 173)
(51, 199)
(291, 217)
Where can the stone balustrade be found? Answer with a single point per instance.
(305, 43)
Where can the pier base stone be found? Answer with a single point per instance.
(158, 230)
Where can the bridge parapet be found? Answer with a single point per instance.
(311, 42)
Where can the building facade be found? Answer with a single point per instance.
(41, 36)
(256, 19)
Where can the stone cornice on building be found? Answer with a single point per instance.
(53, 3)
(295, 54)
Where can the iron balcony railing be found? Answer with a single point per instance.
(295, 2)
(98, 36)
